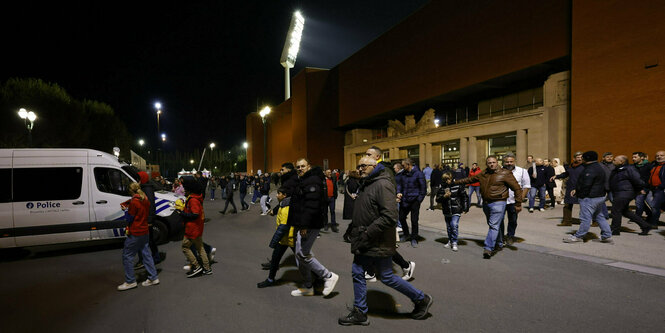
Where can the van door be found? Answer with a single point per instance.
(50, 204)
(109, 188)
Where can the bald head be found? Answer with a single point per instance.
(620, 160)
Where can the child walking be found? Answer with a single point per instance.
(282, 239)
(454, 202)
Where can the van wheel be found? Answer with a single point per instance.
(160, 232)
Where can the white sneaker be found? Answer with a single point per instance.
(370, 278)
(447, 245)
(303, 292)
(399, 229)
(187, 267)
(126, 286)
(455, 247)
(212, 253)
(149, 282)
(264, 214)
(542, 209)
(408, 272)
(329, 284)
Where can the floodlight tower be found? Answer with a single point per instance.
(291, 47)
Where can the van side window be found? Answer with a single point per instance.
(35, 184)
(113, 181)
(5, 185)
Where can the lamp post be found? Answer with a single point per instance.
(212, 146)
(290, 50)
(28, 116)
(263, 113)
(158, 107)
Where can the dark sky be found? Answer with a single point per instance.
(207, 62)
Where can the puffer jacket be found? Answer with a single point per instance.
(375, 215)
(412, 185)
(289, 181)
(591, 183)
(457, 203)
(308, 202)
(625, 181)
(193, 216)
(284, 234)
(494, 185)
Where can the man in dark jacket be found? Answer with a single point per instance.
(573, 172)
(590, 191)
(625, 183)
(411, 191)
(230, 188)
(242, 190)
(656, 185)
(539, 182)
(306, 215)
(435, 182)
(373, 243)
(641, 163)
(331, 195)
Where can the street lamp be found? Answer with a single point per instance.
(141, 142)
(28, 116)
(291, 48)
(436, 122)
(163, 137)
(158, 107)
(263, 113)
(191, 161)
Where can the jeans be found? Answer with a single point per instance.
(256, 195)
(541, 190)
(134, 244)
(404, 210)
(331, 207)
(307, 263)
(477, 190)
(512, 223)
(640, 205)
(452, 223)
(383, 266)
(212, 194)
(264, 207)
(494, 212)
(591, 210)
(243, 204)
(658, 199)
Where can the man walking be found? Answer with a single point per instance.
(641, 163)
(411, 191)
(590, 191)
(242, 190)
(657, 186)
(435, 182)
(475, 187)
(524, 181)
(625, 183)
(230, 188)
(307, 215)
(538, 174)
(331, 194)
(573, 172)
(373, 243)
(494, 185)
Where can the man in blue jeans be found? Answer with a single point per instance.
(373, 242)
(494, 184)
(590, 190)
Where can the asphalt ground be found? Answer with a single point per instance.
(524, 288)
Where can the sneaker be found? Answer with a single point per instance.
(447, 245)
(530, 210)
(572, 239)
(187, 267)
(329, 284)
(645, 231)
(455, 247)
(370, 277)
(127, 286)
(207, 271)
(399, 229)
(265, 283)
(355, 317)
(195, 272)
(211, 256)
(542, 209)
(408, 272)
(148, 282)
(326, 227)
(264, 214)
(421, 307)
(607, 240)
(303, 292)
(334, 228)
(487, 254)
(414, 242)
(430, 209)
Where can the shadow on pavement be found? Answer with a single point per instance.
(383, 305)
(57, 250)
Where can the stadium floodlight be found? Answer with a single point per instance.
(291, 48)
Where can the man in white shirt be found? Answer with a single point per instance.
(522, 177)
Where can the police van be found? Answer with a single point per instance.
(54, 196)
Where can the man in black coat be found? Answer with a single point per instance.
(590, 190)
(435, 182)
(307, 215)
(625, 183)
(331, 189)
(242, 190)
(373, 242)
(230, 188)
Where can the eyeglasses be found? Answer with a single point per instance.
(362, 166)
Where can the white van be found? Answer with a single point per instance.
(69, 195)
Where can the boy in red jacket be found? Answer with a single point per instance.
(193, 217)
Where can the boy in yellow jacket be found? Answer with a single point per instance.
(281, 239)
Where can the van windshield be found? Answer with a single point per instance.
(132, 171)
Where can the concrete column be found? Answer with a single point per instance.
(422, 154)
(428, 150)
(464, 151)
(473, 151)
(521, 147)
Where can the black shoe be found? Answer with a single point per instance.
(645, 231)
(510, 240)
(326, 227)
(222, 212)
(334, 228)
(195, 272)
(265, 283)
(487, 254)
(207, 272)
(347, 238)
(422, 307)
(616, 233)
(355, 317)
